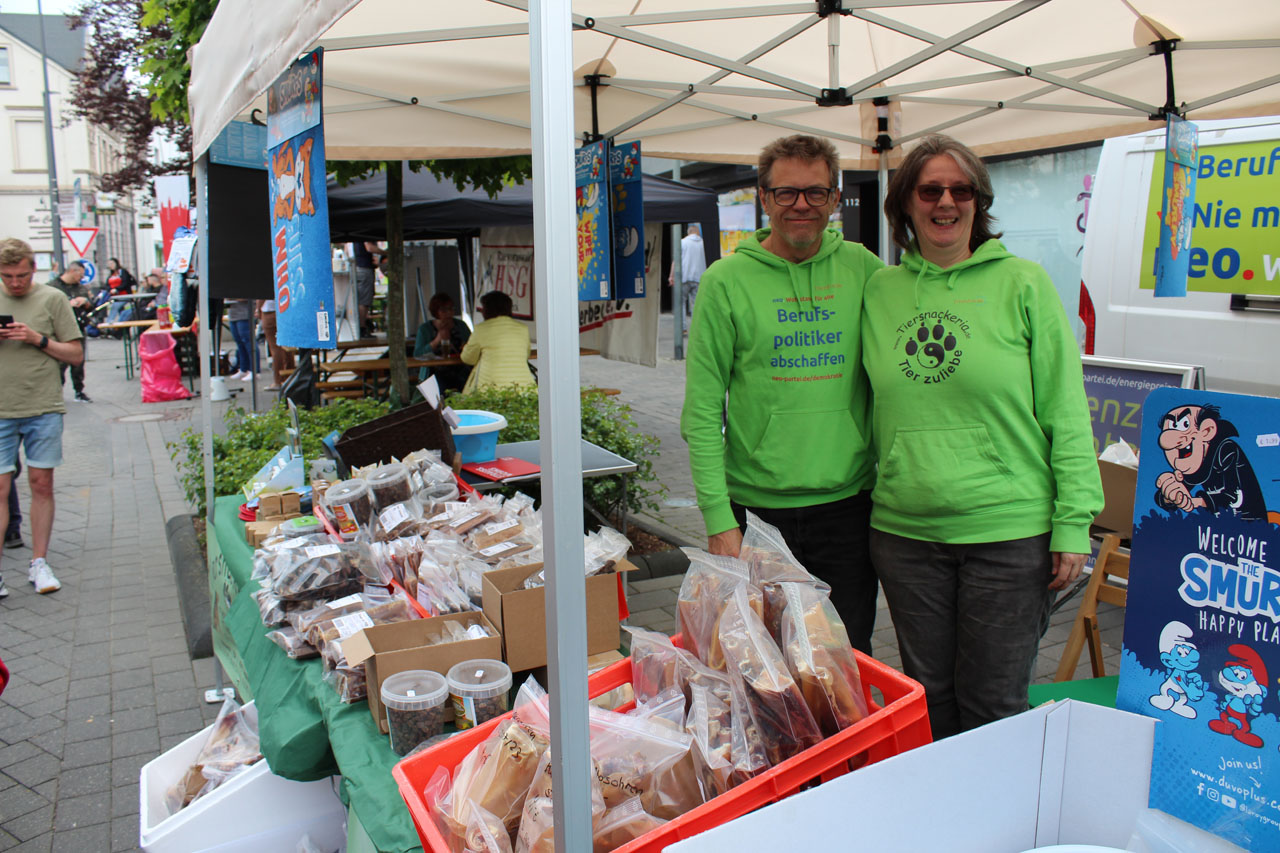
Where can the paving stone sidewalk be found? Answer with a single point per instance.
(101, 681)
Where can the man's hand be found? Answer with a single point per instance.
(727, 544)
(1066, 568)
(19, 332)
(78, 301)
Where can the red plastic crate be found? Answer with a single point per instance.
(901, 724)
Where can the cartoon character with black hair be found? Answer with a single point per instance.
(1244, 678)
(1210, 470)
(1182, 684)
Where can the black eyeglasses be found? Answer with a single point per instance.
(787, 196)
(933, 192)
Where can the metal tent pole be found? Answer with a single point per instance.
(560, 415)
(677, 277)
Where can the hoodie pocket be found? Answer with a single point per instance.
(943, 471)
(808, 451)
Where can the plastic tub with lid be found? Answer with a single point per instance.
(414, 700)
(476, 436)
(390, 484)
(480, 690)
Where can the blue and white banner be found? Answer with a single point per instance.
(1177, 213)
(594, 263)
(1202, 622)
(300, 208)
(628, 221)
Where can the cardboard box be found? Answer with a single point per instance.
(387, 649)
(269, 505)
(256, 531)
(520, 614)
(1119, 484)
(1066, 773)
(290, 503)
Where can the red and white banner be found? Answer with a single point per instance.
(173, 200)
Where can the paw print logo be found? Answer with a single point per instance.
(930, 346)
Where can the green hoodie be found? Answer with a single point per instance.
(783, 341)
(981, 427)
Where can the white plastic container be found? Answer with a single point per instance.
(243, 814)
(480, 690)
(414, 701)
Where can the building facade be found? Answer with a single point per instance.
(83, 152)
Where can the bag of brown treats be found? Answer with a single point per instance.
(816, 647)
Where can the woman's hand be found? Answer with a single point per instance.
(727, 544)
(1066, 569)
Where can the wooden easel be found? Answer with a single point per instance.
(1112, 562)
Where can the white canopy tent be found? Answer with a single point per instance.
(713, 80)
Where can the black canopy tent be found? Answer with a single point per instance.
(435, 209)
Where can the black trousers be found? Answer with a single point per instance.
(77, 372)
(831, 541)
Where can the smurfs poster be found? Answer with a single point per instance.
(626, 194)
(299, 202)
(1202, 621)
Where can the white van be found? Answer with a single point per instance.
(1233, 333)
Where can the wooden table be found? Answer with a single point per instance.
(132, 330)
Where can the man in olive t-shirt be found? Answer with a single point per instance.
(38, 332)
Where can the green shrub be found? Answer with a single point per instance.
(252, 439)
(606, 423)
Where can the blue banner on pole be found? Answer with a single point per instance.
(1177, 212)
(594, 263)
(1202, 622)
(628, 220)
(300, 209)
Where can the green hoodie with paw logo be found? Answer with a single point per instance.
(980, 426)
(781, 340)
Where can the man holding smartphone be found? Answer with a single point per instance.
(38, 332)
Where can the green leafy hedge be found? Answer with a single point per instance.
(252, 439)
(605, 422)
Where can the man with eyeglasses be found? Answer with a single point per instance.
(38, 332)
(776, 330)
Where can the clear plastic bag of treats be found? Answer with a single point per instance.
(708, 585)
(294, 644)
(771, 564)
(374, 609)
(232, 747)
(603, 549)
(270, 607)
(666, 708)
(496, 775)
(655, 663)
(465, 517)
(622, 824)
(817, 651)
(537, 823)
(645, 758)
(710, 724)
(398, 519)
(776, 712)
(485, 833)
(438, 592)
(400, 558)
(324, 571)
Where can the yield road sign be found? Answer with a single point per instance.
(81, 239)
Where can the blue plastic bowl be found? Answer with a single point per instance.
(476, 436)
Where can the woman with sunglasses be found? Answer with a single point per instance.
(987, 479)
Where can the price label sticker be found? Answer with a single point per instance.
(392, 516)
(1269, 440)
(315, 552)
(499, 526)
(351, 623)
(353, 598)
(500, 548)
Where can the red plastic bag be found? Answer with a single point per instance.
(161, 376)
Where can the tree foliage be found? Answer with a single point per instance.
(110, 93)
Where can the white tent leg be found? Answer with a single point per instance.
(202, 308)
(886, 240)
(559, 415)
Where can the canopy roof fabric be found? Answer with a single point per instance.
(717, 79)
(436, 209)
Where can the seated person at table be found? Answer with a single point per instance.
(499, 348)
(120, 282)
(443, 336)
(146, 308)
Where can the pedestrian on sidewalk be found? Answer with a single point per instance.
(777, 329)
(13, 532)
(39, 332)
(69, 283)
(281, 357)
(239, 312)
(693, 263)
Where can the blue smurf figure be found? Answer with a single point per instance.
(1182, 684)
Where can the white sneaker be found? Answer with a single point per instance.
(4, 590)
(41, 576)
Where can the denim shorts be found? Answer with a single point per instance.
(41, 435)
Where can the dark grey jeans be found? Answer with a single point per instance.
(969, 620)
(830, 540)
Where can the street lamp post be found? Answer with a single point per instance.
(48, 141)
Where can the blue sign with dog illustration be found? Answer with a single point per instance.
(1202, 623)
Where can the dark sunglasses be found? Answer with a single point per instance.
(787, 196)
(933, 192)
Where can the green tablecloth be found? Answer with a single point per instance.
(307, 733)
